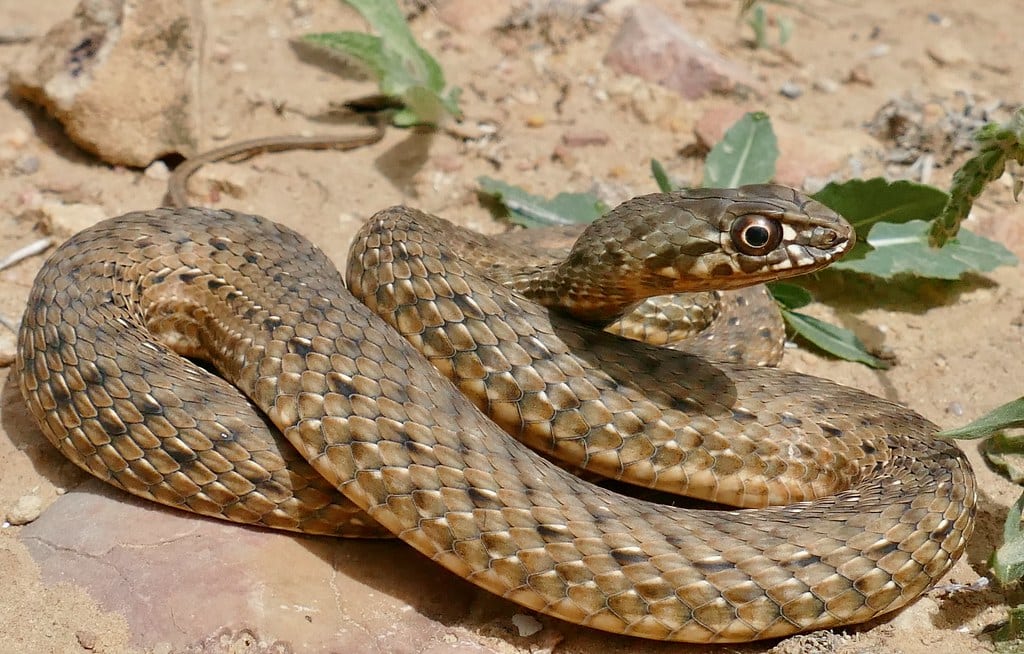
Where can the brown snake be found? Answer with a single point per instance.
(876, 509)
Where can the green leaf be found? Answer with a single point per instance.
(904, 249)
(1007, 416)
(865, 202)
(745, 155)
(533, 211)
(1008, 561)
(790, 296)
(363, 49)
(1008, 638)
(1006, 453)
(661, 177)
(995, 145)
(403, 69)
(387, 20)
(838, 342)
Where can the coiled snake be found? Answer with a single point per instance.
(875, 509)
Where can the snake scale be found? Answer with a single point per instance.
(852, 507)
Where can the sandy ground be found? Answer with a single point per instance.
(957, 346)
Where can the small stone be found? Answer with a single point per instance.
(879, 51)
(859, 75)
(448, 163)
(471, 16)
(220, 132)
(955, 409)
(826, 85)
(163, 647)
(526, 625)
(220, 52)
(72, 218)
(26, 165)
(86, 639)
(651, 45)
(15, 138)
(25, 510)
(949, 53)
(791, 90)
(221, 178)
(582, 137)
(157, 170)
(536, 120)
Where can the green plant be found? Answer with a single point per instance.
(404, 70)
(757, 19)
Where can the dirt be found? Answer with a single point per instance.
(957, 346)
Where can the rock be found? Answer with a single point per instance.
(581, 137)
(526, 625)
(791, 90)
(472, 16)
(71, 218)
(157, 170)
(120, 75)
(949, 52)
(182, 582)
(86, 638)
(651, 45)
(25, 510)
(221, 178)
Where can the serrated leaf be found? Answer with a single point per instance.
(1008, 561)
(534, 211)
(790, 296)
(904, 249)
(1007, 416)
(745, 155)
(838, 342)
(865, 202)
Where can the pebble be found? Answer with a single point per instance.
(791, 90)
(157, 170)
(25, 510)
(880, 50)
(535, 120)
(526, 625)
(85, 638)
(15, 138)
(826, 85)
(581, 137)
(26, 165)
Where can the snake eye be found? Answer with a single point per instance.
(756, 235)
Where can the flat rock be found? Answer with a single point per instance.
(191, 582)
(651, 45)
(120, 76)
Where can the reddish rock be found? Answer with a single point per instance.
(651, 45)
(188, 581)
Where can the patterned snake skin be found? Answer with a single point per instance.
(853, 508)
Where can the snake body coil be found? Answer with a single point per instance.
(875, 509)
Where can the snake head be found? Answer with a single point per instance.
(698, 240)
(705, 239)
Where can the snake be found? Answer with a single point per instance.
(216, 361)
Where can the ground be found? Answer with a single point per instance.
(957, 347)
